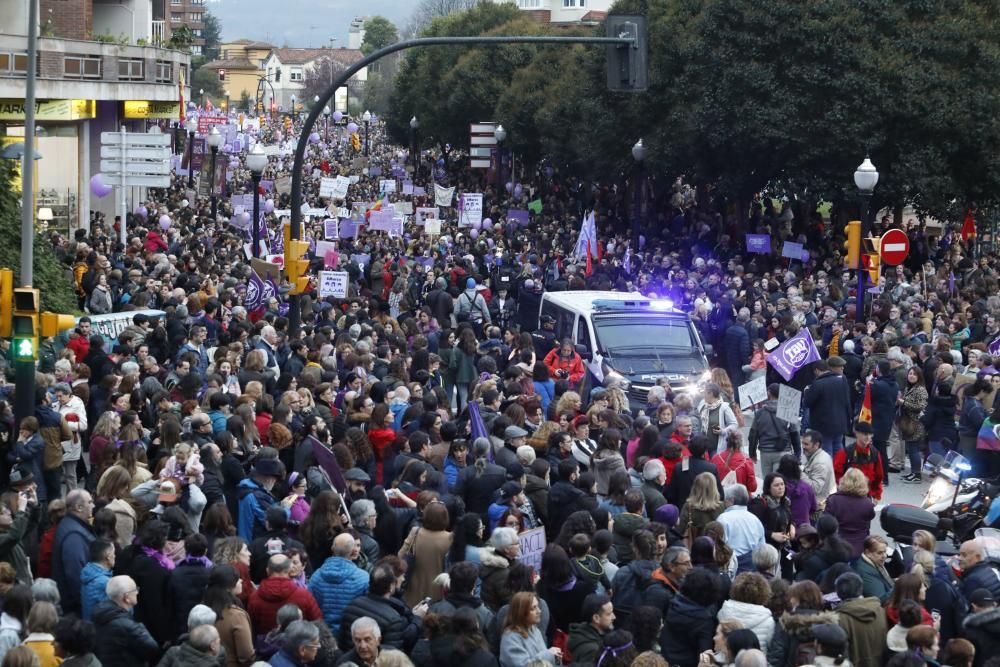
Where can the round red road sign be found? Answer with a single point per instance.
(894, 247)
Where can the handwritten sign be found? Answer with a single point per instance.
(333, 283)
(532, 547)
(330, 230)
(789, 403)
(753, 392)
(386, 186)
(432, 227)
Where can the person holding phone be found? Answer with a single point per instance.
(18, 517)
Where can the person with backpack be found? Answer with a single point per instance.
(471, 306)
(734, 466)
(863, 456)
(772, 436)
(632, 580)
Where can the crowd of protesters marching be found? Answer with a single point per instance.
(212, 488)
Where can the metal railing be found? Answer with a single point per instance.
(159, 34)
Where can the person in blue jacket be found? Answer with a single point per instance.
(337, 582)
(255, 497)
(96, 574)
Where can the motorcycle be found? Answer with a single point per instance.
(953, 508)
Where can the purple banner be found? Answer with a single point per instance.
(361, 260)
(383, 220)
(348, 229)
(794, 354)
(995, 347)
(759, 243)
(521, 216)
(419, 191)
(792, 250)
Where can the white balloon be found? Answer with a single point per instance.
(185, 203)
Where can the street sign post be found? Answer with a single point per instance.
(137, 159)
(894, 247)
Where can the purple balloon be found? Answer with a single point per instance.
(487, 222)
(338, 116)
(474, 234)
(518, 190)
(352, 127)
(164, 222)
(489, 241)
(314, 138)
(508, 186)
(477, 224)
(269, 206)
(141, 211)
(98, 187)
(805, 256)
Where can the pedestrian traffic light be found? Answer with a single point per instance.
(6, 301)
(627, 63)
(296, 264)
(852, 247)
(24, 324)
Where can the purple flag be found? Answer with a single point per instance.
(258, 291)
(477, 427)
(994, 348)
(951, 282)
(794, 354)
(759, 243)
(328, 462)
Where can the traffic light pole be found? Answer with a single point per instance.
(24, 371)
(633, 41)
(866, 229)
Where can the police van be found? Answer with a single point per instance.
(628, 336)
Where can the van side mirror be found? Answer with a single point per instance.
(583, 352)
(708, 350)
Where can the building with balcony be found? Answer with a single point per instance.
(173, 14)
(587, 12)
(96, 71)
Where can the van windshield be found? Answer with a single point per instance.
(638, 337)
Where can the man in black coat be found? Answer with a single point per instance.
(187, 582)
(273, 540)
(885, 393)
(735, 352)
(828, 400)
(401, 628)
(982, 625)
(440, 303)
(123, 641)
(565, 498)
(683, 478)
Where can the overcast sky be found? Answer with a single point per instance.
(301, 23)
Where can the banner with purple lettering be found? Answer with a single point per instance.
(759, 243)
(792, 355)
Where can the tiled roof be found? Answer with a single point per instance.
(298, 56)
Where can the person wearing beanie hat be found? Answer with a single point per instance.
(864, 456)
(831, 645)
(471, 306)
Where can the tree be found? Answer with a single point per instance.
(51, 277)
(321, 76)
(428, 10)
(207, 80)
(246, 102)
(211, 32)
(379, 33)
(181, 39)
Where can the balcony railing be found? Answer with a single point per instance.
(159, 32)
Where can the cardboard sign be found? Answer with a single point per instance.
(333, 283)
(424, 213)
(471, 209)
(792, 250)
(386, 186)
(283, 185)
(403, 207)
(532, 547)
(268, 269)
(789, 404)
(753, 392)
(383, 220)
(432, 227)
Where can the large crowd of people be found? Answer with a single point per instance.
(421, 474)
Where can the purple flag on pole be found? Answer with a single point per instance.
(258, 292)
(477, 427)
(794, 354)
(759, 243)
(328, 462)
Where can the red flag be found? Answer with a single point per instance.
(600, 251)
(590, 263)
(866, 405)
(969, 226)
(208, 104)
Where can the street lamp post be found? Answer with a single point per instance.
(639, 155)
(227, 102)
(293, 107)
(191, 125)
(865, 178)
(256, 163)
(414, 126)
(500, 134)
(367, 117)
(214, 142)
(326, 127)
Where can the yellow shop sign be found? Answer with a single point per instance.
(49, 110)
(160, 110)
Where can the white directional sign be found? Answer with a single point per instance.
(132, 139)
(158, 167)
(135, 153)
(137, 180)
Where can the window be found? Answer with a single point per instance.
(573, 3)
(175, 2)
(582, 333)
(196, 49)
(82, 67)
(176, 18)
(196, 32)
(13, 63)
(295, 74)
(277, 75)
(529, 4)
(194, 17)
(164, 71)
(131, 69)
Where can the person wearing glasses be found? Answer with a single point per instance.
(124, 641)
(299, 645)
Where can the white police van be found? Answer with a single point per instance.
(631, 337)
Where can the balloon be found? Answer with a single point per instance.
(474, 234)
(141, 211)
(352, 127)
(805, 256)
(314, 138)
(269, 206)
(338, 116)
(477, 224)
(487, 222)
(508, 186)
(489, 241)
(98, 187)
(164, 222)
(518, 190)
(185, 203)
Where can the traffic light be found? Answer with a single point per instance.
(871, 259)
(24, 324)
(53, 323)
(222, 75)
(6, 301)
(296, 268)
(852, 247)
(627, 64)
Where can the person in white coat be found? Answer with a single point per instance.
(748, 597)
(717, 418)
(73, 410)
(817, 467)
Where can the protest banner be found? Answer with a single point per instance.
(426, 213)
(333, 283)
(432, 227)
(382, 220)
(792, 250)
(759, 243)
(330, 230)
(520, 216)
(386, 186)
(532, 547)
(470, 209)
(443, 196)
(794, 354)
(789, 404)
(752, 393)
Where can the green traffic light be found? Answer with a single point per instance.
(24, 348)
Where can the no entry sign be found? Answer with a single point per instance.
(894, 247)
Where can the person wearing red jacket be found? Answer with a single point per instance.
(382, 436)
(275, 591)
(564, 363)
(864, 457)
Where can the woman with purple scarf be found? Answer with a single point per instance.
(147, 564)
